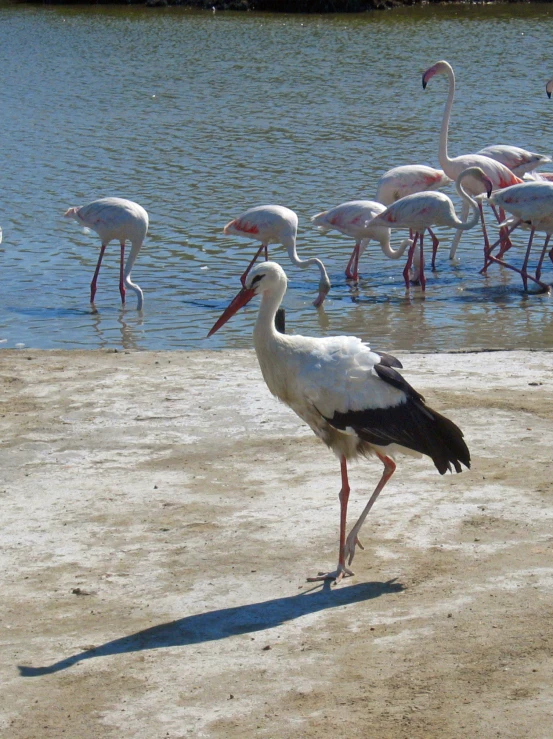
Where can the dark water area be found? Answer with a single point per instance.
(200, 115)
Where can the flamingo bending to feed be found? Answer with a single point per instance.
(351, 397)
(424, 209)
(500, 175)
(407, 179)
(351, 219)
(115, 218)
(532, 205)
(274, 224)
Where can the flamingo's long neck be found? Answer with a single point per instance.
(473, 220)
(304, 263)
(135, 248)
(445, 161)
(388, 249)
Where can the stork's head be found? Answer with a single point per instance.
(267, 278)
(441, 67)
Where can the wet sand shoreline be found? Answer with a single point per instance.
(161, 512)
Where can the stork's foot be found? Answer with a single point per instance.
(340, 572)
(349, 550)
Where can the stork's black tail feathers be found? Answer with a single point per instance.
(446, 445)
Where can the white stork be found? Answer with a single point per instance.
(352, 398)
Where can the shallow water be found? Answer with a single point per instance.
(198, 116)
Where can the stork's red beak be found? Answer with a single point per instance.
(243, 297)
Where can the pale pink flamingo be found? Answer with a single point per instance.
(351, 397)
(500, 175)
(351, 219)
(274, 224)
(532, 205)
(519, 161)
(407, 179)
(115, 218)
(424, 209)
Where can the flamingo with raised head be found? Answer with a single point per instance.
(519, 161)
(351, 219)
(424, 209)
(275, 224)
(115, 218)
(500, 175)
(532, 205)
(352, 398)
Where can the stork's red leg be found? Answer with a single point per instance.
(96, 273)
(341, 571)
(542, 256)
(435, 245)
(263, 247)
(353, 537)
(122, 274)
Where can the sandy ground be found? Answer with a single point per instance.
(160, 514)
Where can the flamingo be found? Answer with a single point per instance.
(275, 224)
(352, 398)
(115, 218)
(407, 179)
(532, 205)
(351, 219)
(519, 161)
(424, 209)
(500, 175)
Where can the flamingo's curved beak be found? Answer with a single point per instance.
(243, 297)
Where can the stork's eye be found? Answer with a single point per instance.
(256, 279)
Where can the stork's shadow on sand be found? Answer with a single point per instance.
(225, 622)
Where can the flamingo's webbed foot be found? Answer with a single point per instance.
(340, 572)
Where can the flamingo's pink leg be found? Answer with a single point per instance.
(435, 245)
(122, 274)
(341, 571)
(524, 270)
(353, 537)
(487, 247)
(352, 270)
(488, 261)
(409, 263)
(250, 265)
(422, 277)
(543, 286)
(542, 256)
(504, 236)
(96, 273)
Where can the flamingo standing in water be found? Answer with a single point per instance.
(519, 161)
(532, 205)
(424, 209)
(500, 175)
(408, 179)
(351, 219)
(115, 218)
(274, 224)
(351, 397)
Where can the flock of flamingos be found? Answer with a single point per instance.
(406, 198)
(353, 398)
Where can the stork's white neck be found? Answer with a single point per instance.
(264, 332)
